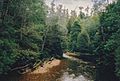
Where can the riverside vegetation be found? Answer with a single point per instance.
(31, 32)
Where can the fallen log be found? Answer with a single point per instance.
(18, 68)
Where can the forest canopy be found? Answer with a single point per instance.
(31, 32)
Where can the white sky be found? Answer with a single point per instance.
(72, 4)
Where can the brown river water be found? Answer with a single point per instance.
(69, 69)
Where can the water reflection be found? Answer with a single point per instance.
(67, 77)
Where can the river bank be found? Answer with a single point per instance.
(69, 69)
(47, 66)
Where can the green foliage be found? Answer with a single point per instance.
(22, 24)
(7, 54)
(82, 42)
(109, 37)
(87, 36)
(26, 38)
(73, 33)
(53, 41)
(82, 15)
(117, 59)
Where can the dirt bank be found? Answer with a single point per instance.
(46, 66)
(51, 71)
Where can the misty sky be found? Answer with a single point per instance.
(72, 4)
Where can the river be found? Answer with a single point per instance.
(69, 69)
